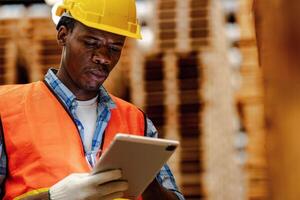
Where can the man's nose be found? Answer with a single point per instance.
(102, 56)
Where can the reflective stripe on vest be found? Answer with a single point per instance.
(42, 142)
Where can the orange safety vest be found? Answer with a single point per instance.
(42, 142)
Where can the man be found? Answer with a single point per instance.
(52, 129)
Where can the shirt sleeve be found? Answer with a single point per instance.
(165, 176)
(3, 161)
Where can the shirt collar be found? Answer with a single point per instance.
(68, 97)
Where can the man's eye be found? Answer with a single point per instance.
(115, 48)
(90, 44)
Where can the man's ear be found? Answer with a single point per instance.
(62, 35)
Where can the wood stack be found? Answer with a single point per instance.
(184, 88)
(8, 51)
(171, 84)
(154, 91)
(278, 28)
(224, 177)
(40, 34)
(182, 25)
(169, 95)
(250, 100)
(190, 105)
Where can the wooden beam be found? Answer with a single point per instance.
(278, 32)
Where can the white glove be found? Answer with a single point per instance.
(82, 186)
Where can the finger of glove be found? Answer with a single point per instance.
(77, 176)
(110, 188)
(105, 177)
(113, 196)
(71, 178)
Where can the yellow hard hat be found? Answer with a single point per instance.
(115, 16)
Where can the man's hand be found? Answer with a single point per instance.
(157, 192)
(105, 185)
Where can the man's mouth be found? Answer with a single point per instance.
(97, 74)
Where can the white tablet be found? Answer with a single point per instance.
(140, 159)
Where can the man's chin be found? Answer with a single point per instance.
(92, 88)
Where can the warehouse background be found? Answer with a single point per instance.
(195, 73)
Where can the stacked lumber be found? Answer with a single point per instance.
(224, 177)
(39, 33)
(250, 100)
(10, 16)
(190, 105)
(182, 25)
(183, 87)
(170, 96)
(8, 52)
(277, 29)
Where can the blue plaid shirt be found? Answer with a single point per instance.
(164, 177)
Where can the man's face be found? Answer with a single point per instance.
(88, 56)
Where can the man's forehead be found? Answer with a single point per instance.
(85, 30)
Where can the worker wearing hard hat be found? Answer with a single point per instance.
(51, 128)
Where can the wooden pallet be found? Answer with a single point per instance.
(8, 51)
(40, 34)
(170, 86)
(250, 98)
(194, 17)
